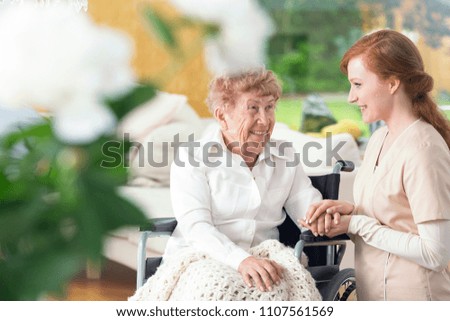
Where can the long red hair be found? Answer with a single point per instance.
(389, 53)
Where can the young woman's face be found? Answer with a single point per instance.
(249, 124)
(368, 91)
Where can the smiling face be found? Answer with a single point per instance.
(372, 94)
(247, 126)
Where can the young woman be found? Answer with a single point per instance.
(400, 221)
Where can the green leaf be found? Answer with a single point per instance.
(91, 229)
(15, 219)
(118, 212)
(5, 187)
(107, 158)
(112, 209)
(161, 28)
(24, 134)
(30, 277)
(137, 96)
(211, 30)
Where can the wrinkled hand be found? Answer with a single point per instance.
(324, 226)
(263, 272)
(325, 215)
(328, 206)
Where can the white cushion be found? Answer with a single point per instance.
(153, 127)
(155, 113)
(151, 164)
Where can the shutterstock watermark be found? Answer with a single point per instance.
(212, 153)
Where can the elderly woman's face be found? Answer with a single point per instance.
(247, 126)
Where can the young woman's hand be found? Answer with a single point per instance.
(329, 207)
(322, 216)
(330, 225)
(322, 225)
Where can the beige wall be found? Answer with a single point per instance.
(151, 59)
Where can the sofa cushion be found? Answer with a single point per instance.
(152, 128)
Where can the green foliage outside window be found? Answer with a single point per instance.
(307, 47)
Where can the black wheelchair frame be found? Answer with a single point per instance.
(324, 254)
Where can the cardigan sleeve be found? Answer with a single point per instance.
(429, 249)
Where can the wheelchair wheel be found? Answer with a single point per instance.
(342, 287)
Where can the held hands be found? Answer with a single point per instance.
(263, 272)
(328, 217)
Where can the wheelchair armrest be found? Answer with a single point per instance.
(309, 237)
(343, 166)
(163, 224)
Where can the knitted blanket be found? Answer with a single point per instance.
(198, 277)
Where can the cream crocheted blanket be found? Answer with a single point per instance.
(195, 276)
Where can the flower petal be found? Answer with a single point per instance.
(80, 126)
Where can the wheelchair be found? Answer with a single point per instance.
(324, 254)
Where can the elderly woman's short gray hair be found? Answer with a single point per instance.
(223, 90)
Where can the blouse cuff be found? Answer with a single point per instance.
(235, 258)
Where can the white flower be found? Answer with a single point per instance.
(57, 59)
(244, 30)
(85, 118)
(74, 4)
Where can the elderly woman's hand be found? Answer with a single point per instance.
(322, 216)
(328, 206)
(263, 272)
(326, 225)
(323, 224)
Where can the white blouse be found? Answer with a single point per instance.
(223, 208)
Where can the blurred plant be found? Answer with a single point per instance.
(303, 51)
(233, 32)
(57, 202)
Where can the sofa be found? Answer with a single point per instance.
(153, 127)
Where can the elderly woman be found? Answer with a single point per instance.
(228, 191)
